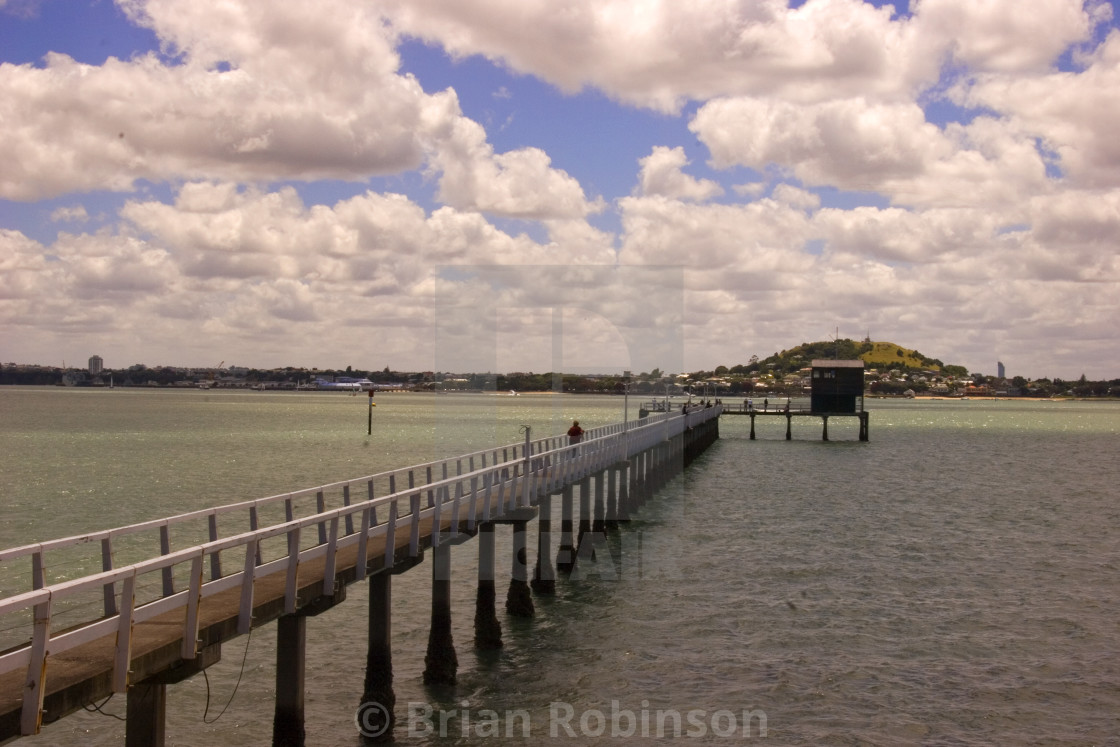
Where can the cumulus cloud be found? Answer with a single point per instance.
(990, 35)
(299, 91)
(1074, 114)
(278, 111)
(238, 263)
(857, 145)
(660, 54)
(518, 184)
(661, 174)
(70, 214)
(758, 244)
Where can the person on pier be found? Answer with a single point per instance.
(575, 433)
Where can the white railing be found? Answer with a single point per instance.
(478, 487)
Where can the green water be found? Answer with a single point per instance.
(954, 581)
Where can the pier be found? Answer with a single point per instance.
(790, 413)
(198, 580)
(836, 392)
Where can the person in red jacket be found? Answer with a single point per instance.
(575, 433)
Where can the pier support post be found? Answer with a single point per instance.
(789, 427)
(661, 456)
(519, 600)
(863, 423)
(824, 436)
(610, 522)
(584, 511)
(146, 712)
(752, 426)
(625, 469)
(641, 482)
(291, 657)
(487, 629)
(441, 664)
(376, 715)
(566, 554)
(634, 489)
(544, 577)
(597, 525)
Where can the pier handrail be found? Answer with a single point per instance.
(421, 475)
(548, 465)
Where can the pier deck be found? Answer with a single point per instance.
(298, 565)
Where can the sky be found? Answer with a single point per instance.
(580, 185)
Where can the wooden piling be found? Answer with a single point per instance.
(519, 600)
(544, 577)
(610, 519)
(623, 515)
(146, 711)
(597, 525)
(584, 511)
(566, 553)
(440, 663)
(291, 657)
(487, 629)
(378, 699)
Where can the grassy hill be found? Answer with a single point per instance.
(889, 355)
(880, 355)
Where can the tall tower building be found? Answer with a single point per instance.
(95, 365)
(1000, 371)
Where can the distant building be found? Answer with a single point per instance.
(837, 386)
(96, 365)
(1000, 371)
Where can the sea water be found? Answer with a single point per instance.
(952, 581)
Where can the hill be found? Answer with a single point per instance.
(881, 355)
(890, 355)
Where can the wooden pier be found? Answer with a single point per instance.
(836, 392)
(135, 629)
(790, 413)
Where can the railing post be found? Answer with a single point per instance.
(245, 611)
(31, 717)
(292, 584)
(165, 549)
(124, 635)
(110, 592)
(349, 526)
(215, 557)
(38, 570)
(390, 538)
(254, 524)
(321, 507)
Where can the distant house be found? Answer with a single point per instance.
(837, 386)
